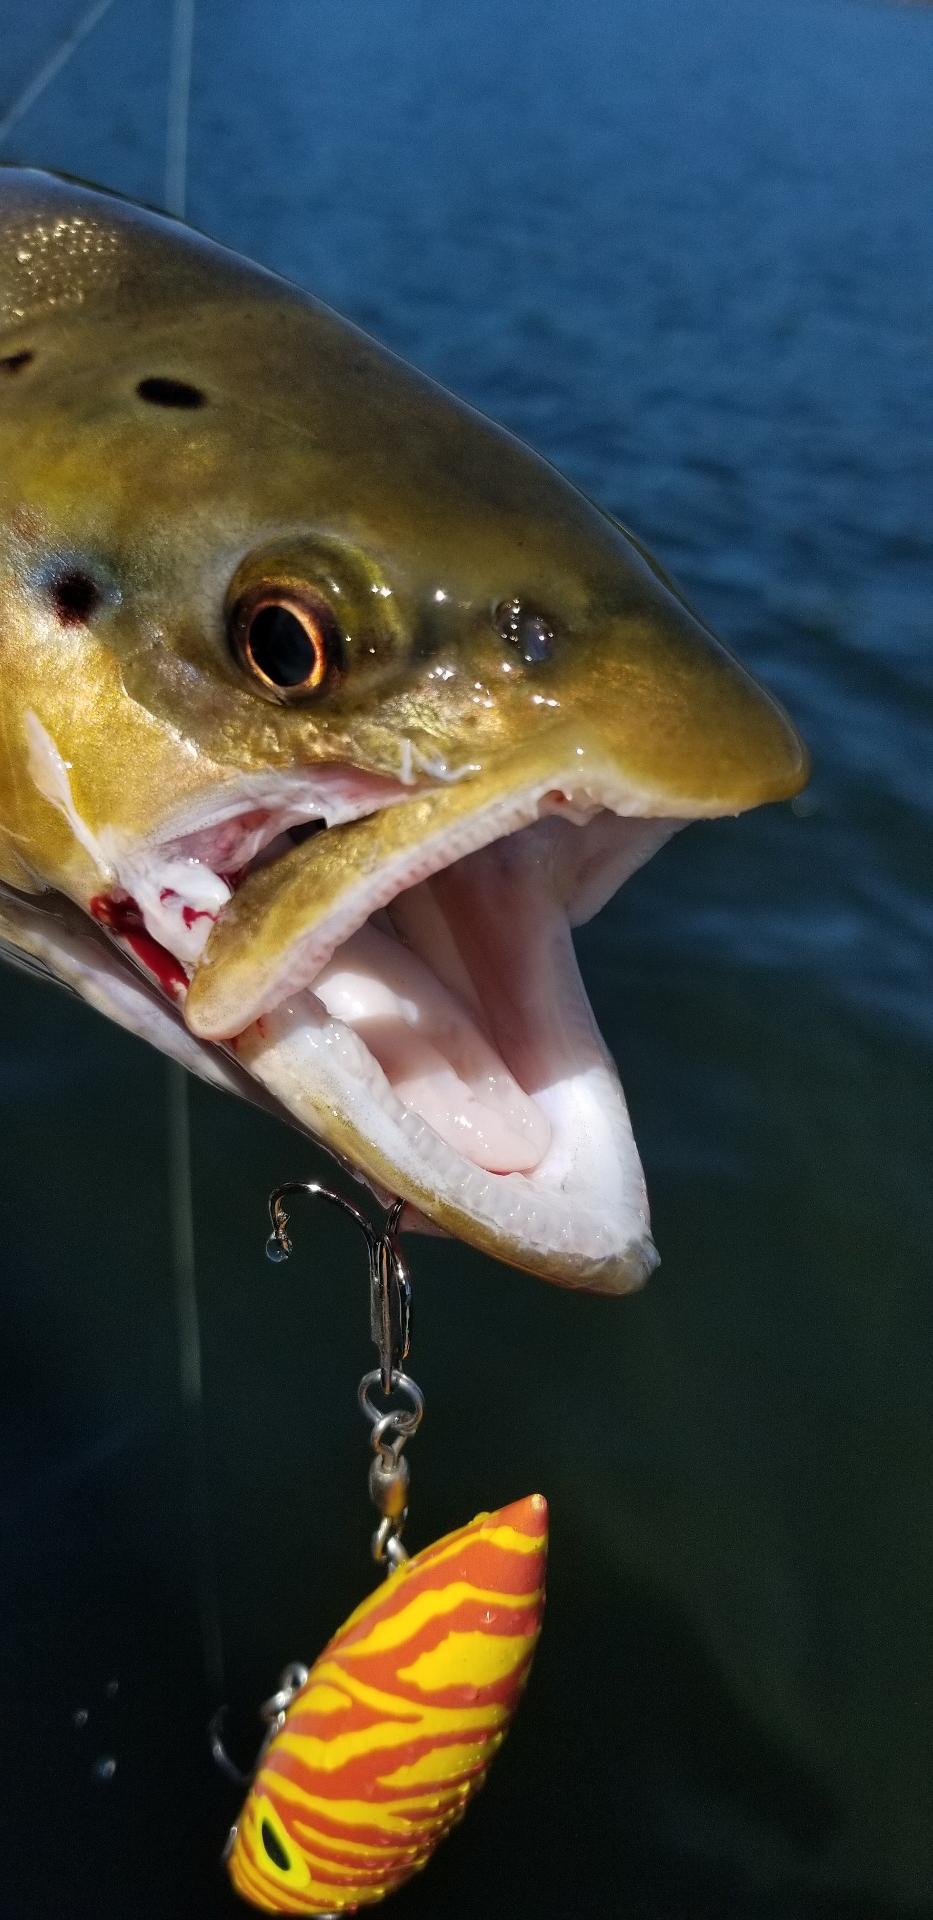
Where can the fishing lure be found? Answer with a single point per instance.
(373, 1755)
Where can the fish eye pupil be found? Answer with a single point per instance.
(286, 640)
(527, 630)
(274, 1847)
(281, 646)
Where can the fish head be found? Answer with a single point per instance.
(335, 708)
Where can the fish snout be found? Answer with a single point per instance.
(679, 719)
(663, 718)
(592, 639)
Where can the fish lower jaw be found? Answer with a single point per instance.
(580, 1216)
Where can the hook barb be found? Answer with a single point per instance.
(219, 1754)
(279, 1245)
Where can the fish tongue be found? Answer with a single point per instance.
(432, 1050)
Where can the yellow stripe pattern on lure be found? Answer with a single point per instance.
(396, 1725)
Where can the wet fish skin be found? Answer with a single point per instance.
(307, 454)
(304, 421)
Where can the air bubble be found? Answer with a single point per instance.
(275, 1250)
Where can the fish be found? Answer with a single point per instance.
(379, 1752)
(328, 711)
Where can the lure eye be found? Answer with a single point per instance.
(527, 630)
(286, 642)
(274, 1848)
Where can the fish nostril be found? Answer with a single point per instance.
(74, 596)
(162, 392)
(527, 629)
(15, 362)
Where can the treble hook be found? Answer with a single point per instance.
(390, 1284)
(219, 1754)
(272, 1712)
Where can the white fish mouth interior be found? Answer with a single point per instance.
(449, 1026)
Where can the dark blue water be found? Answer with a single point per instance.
(687, 251)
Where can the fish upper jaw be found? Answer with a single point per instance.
(288, 919)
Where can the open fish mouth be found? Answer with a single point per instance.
(395, 967)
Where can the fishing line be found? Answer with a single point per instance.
(178, 1111)
(191, 1373)
(178, 113)
(53, 66)
(181, 1205)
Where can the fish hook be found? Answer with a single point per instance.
(390, 1284)
(219, 1754)
(272, 1712)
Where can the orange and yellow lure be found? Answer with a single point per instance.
(394, 1729)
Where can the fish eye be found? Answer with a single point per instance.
(274, 1847)
(286, 642)
(527, 630)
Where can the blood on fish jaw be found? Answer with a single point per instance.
(120, 914)
(189, 915)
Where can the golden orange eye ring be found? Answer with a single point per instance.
(287, 642)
